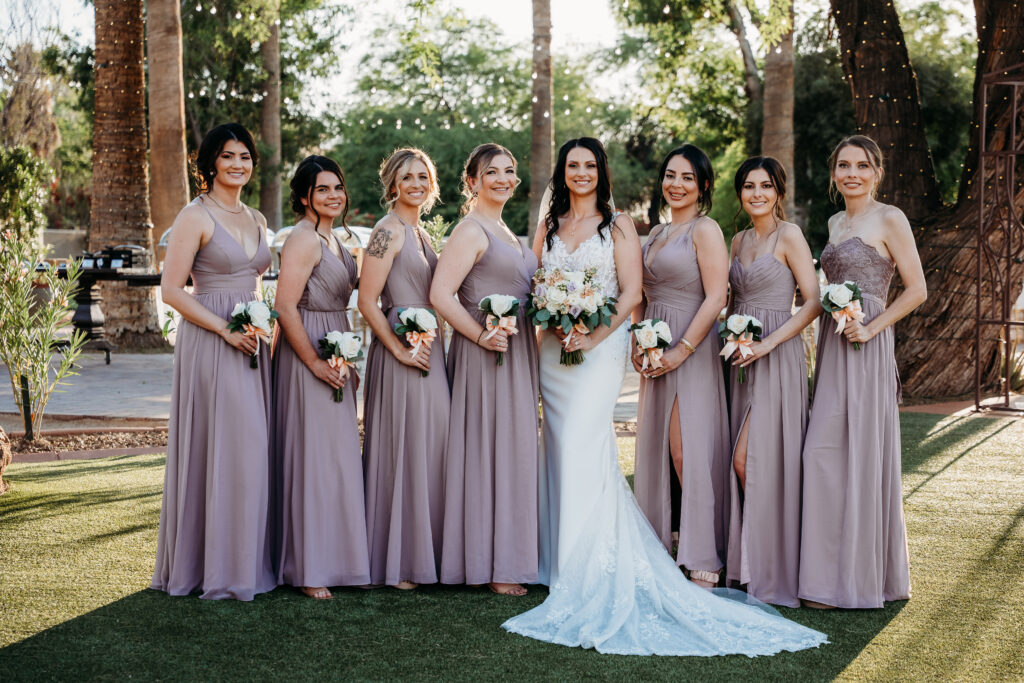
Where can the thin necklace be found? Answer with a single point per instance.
(214, 199)
(575, 222)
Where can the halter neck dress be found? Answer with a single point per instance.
(764, 527)
(214, 519)
(853, 546)
(674, 292)
(322, 534)
(406, 425)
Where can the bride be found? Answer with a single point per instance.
(612, 585)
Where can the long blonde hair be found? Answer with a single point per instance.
(392, 167)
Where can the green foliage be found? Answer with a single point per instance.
(24, 180)
(437, 228)
(31, 324)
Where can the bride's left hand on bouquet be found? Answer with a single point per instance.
(579, 342)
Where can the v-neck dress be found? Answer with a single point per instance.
(406, 423)
(214, 519)
(322, 534)
(490, 522)
(764, 527)
(675, 292)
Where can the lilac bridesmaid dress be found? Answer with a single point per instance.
(674, 293)
(323, 525)
(406, 421)
(764, 530)
(491, 514)
(214, 523)
(853, 546)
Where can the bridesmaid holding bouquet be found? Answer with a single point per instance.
(323, 525)
(406, 408)
(214, 519)
(853, 550)
(490, 522)
(769, 406)
(682, 446)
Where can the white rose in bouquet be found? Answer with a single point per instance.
(663, 331)
(556, 297)
(238, 309)
(259, 313)
(501, 303)
(335, 338)
(647, 337)
(840, 295)
(425, 319)
(737, 324)
(576, 278)
(350, 344)
(591, 303)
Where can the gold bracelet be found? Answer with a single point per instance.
(687, 345)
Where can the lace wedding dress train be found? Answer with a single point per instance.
(613, 587)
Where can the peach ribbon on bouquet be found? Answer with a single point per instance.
(417, 339)
(341, 364)
(852, 311)
(578, 328)
(507, 323)
(654, 355)
(741, 343)
(250, 330)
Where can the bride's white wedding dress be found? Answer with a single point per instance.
(612, 585)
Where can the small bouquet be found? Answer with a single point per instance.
(653, 336)
(341, 350)
(501, 310)
(572, 301)
(842, 300)
(739, 332)
(252, 319)
(419, 325)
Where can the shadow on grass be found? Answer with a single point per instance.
(433, 632)
(50, 472)
(39, 507)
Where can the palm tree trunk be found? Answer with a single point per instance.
(542, 139)
(120, 177)
(777, 138)
(167, 149)
(270, 125)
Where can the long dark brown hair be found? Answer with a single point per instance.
(560, 194)
(303, 183)
(776, 173)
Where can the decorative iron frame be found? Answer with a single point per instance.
(999, 219)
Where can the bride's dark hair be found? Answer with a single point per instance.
(559, 204)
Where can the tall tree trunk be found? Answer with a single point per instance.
(886, 102)
(751, 76)
(542, 139)
(120, 175)
(270, 123)
(777, 138)
(934, 344)
(167, 150)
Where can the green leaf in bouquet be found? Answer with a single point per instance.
(566, 324)
(543, 315)
(593, 320)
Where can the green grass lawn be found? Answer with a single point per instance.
(77, 541)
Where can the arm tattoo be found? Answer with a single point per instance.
(379, 243)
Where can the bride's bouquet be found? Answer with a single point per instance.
(572, 301)
(842, 300)
(341, 350)
(253, 320)
(419, 325)
(739, 332)
(653, 337)
(501, 310)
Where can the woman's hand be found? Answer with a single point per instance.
(637, 357)
(335, 377)
(498, 342)
(579, 342)
(246, 343)
(856, 332)
(671, 360)
(760, 348)
(420, 361)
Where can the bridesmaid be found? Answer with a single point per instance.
(768, 261)
(686, 277)
(490, 523)
(213, 523)
(405, 413)
(323, 523)
(853, 546)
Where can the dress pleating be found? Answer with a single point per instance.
(322, 538)
(214, 521)
(406, 425)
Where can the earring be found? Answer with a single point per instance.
(474, 194)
